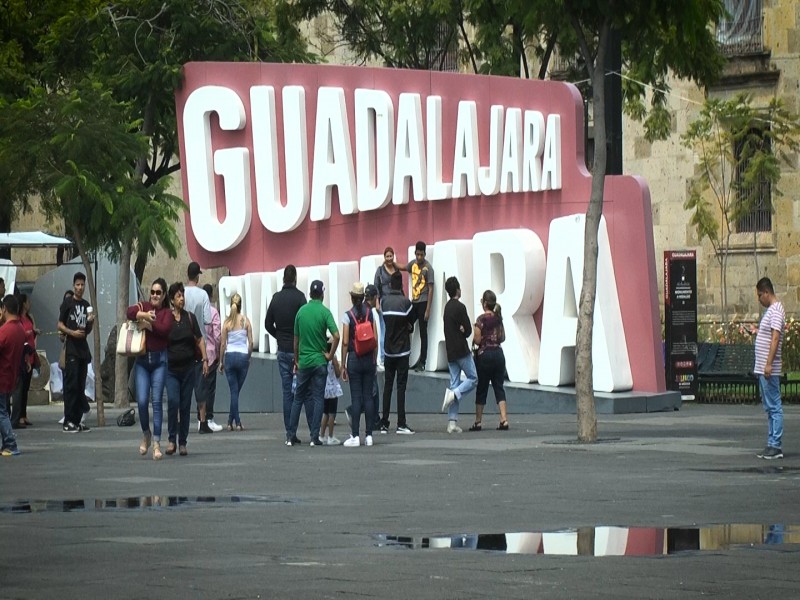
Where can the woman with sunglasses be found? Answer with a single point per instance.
(150, 369)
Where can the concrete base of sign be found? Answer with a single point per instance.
(424, 393)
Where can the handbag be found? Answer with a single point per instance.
(127, 419)
(131, 340)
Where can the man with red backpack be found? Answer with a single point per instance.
(359, 353)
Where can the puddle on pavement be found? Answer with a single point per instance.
(605, 541)
(133, 503)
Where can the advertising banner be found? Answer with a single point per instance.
(680, 320)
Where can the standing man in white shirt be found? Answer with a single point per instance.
(198, 304)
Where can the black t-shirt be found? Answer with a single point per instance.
(183, 342)
(457, 329)
(74, 315)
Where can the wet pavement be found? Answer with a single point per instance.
(669, 505)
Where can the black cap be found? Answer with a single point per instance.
(317, 288)
(370, 291)
(193, 271)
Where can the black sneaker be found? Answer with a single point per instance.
(70, 427)
(419, 367)
(84, 428)
(384, 426)
(296, 441)
(316, 442)
(770, 453)
(405, 430)
(204, 428)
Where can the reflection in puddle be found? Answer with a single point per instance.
(132, 502)
(606, 541)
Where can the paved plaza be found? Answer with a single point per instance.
(243, 516)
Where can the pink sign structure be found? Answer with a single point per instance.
(315, 165)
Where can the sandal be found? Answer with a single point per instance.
(145, 445)
(171, 448)
(239, 427)
(230, 427)
(182, 451)
(157, 451)
(503, 426)
(476, 426)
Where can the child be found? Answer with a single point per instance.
(333, 389)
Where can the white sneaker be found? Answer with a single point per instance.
(449, 398)
(332, 441)
(324, 440)
(213, 426)
(368, 440)
(61, 421)
(452, 427)
(352, 442)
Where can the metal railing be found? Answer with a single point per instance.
(744, 33)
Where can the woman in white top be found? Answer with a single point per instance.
(236, 346)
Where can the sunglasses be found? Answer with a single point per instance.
(156, 292)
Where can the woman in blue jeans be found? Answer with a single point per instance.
(359, 370)
(185, 344)
(235, 349)
(150, 369)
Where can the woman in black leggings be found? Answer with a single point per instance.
(488, 334)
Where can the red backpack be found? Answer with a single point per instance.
(364, 335)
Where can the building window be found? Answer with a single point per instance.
(741, 33)
(755, 197)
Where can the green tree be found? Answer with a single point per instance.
(135, 50)
(72, 148)
(740, 149)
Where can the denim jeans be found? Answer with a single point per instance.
(491, 367)
(395, 365)
(361, 372)
(771, 400)
(466, 364)
(236, 366)
(150, 371)
(310, 393)
(9, 440)
(285, 368)
(179, 403)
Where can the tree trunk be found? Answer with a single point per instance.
(584, 381)
(121, 362)
(98, 378)
(124, 273)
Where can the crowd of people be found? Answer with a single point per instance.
(186, 345)
(374, 335)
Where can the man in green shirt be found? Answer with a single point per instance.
(311, 355)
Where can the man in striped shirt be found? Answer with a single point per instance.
(769, 340)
